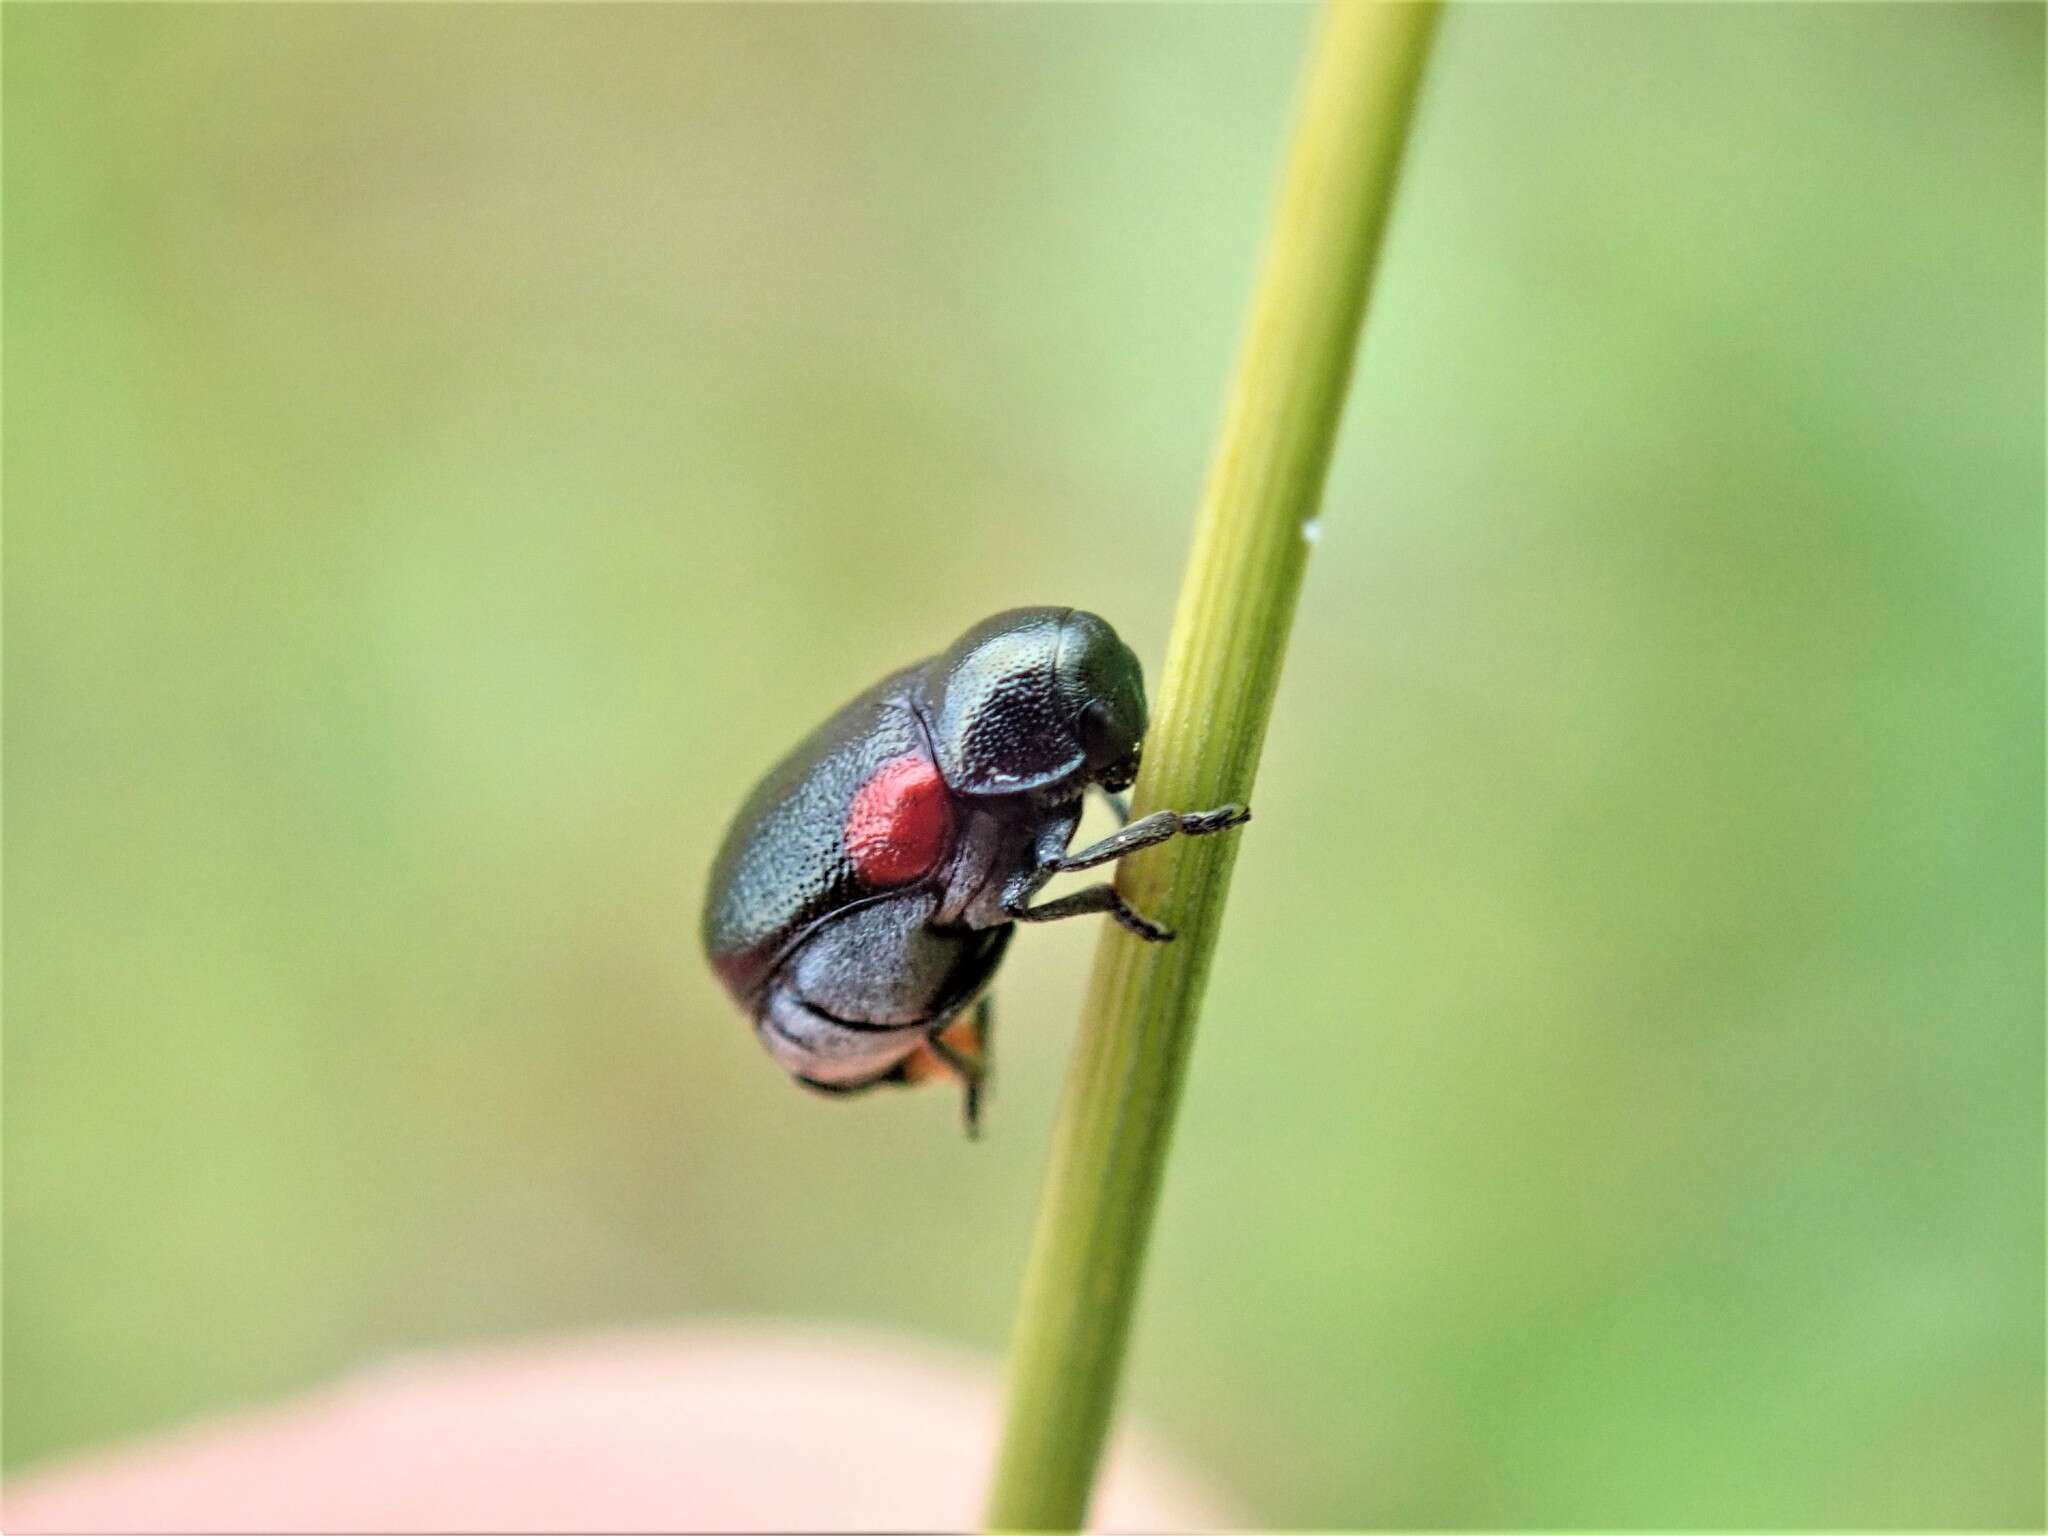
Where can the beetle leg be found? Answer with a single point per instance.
(968, 1058)
(1156, 828)
(1091, 898)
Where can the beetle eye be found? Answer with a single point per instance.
(1120, 775)
(1098, 733)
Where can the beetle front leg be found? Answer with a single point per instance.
(1156, 828)
(1089, 899)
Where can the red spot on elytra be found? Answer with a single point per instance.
(901, 823)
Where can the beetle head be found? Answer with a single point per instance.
(1042, 699)
(1098, 672)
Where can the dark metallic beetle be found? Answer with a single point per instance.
(868, 887)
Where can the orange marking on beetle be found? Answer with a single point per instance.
(901, 823)
(962, 1037)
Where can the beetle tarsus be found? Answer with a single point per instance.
(1222, 819)
(971, 1077)
(1147, 831)
(970, 1107)
(1143, 927)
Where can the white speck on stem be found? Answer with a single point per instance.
(1312, 530)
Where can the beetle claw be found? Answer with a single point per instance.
(1221, 819)
(1145, 928)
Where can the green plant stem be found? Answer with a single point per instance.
(1223, 664)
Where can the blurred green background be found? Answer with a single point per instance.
(450, 452)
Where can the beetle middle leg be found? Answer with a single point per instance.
(1089, 899)
(1149, 830)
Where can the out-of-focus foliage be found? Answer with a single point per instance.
(450, 451)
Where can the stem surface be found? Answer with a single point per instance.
(1222, 667)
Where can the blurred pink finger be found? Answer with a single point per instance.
(715, 1430)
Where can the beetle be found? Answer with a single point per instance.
(869, 885)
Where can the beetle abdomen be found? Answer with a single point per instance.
(866, 988)
(828, 1052)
